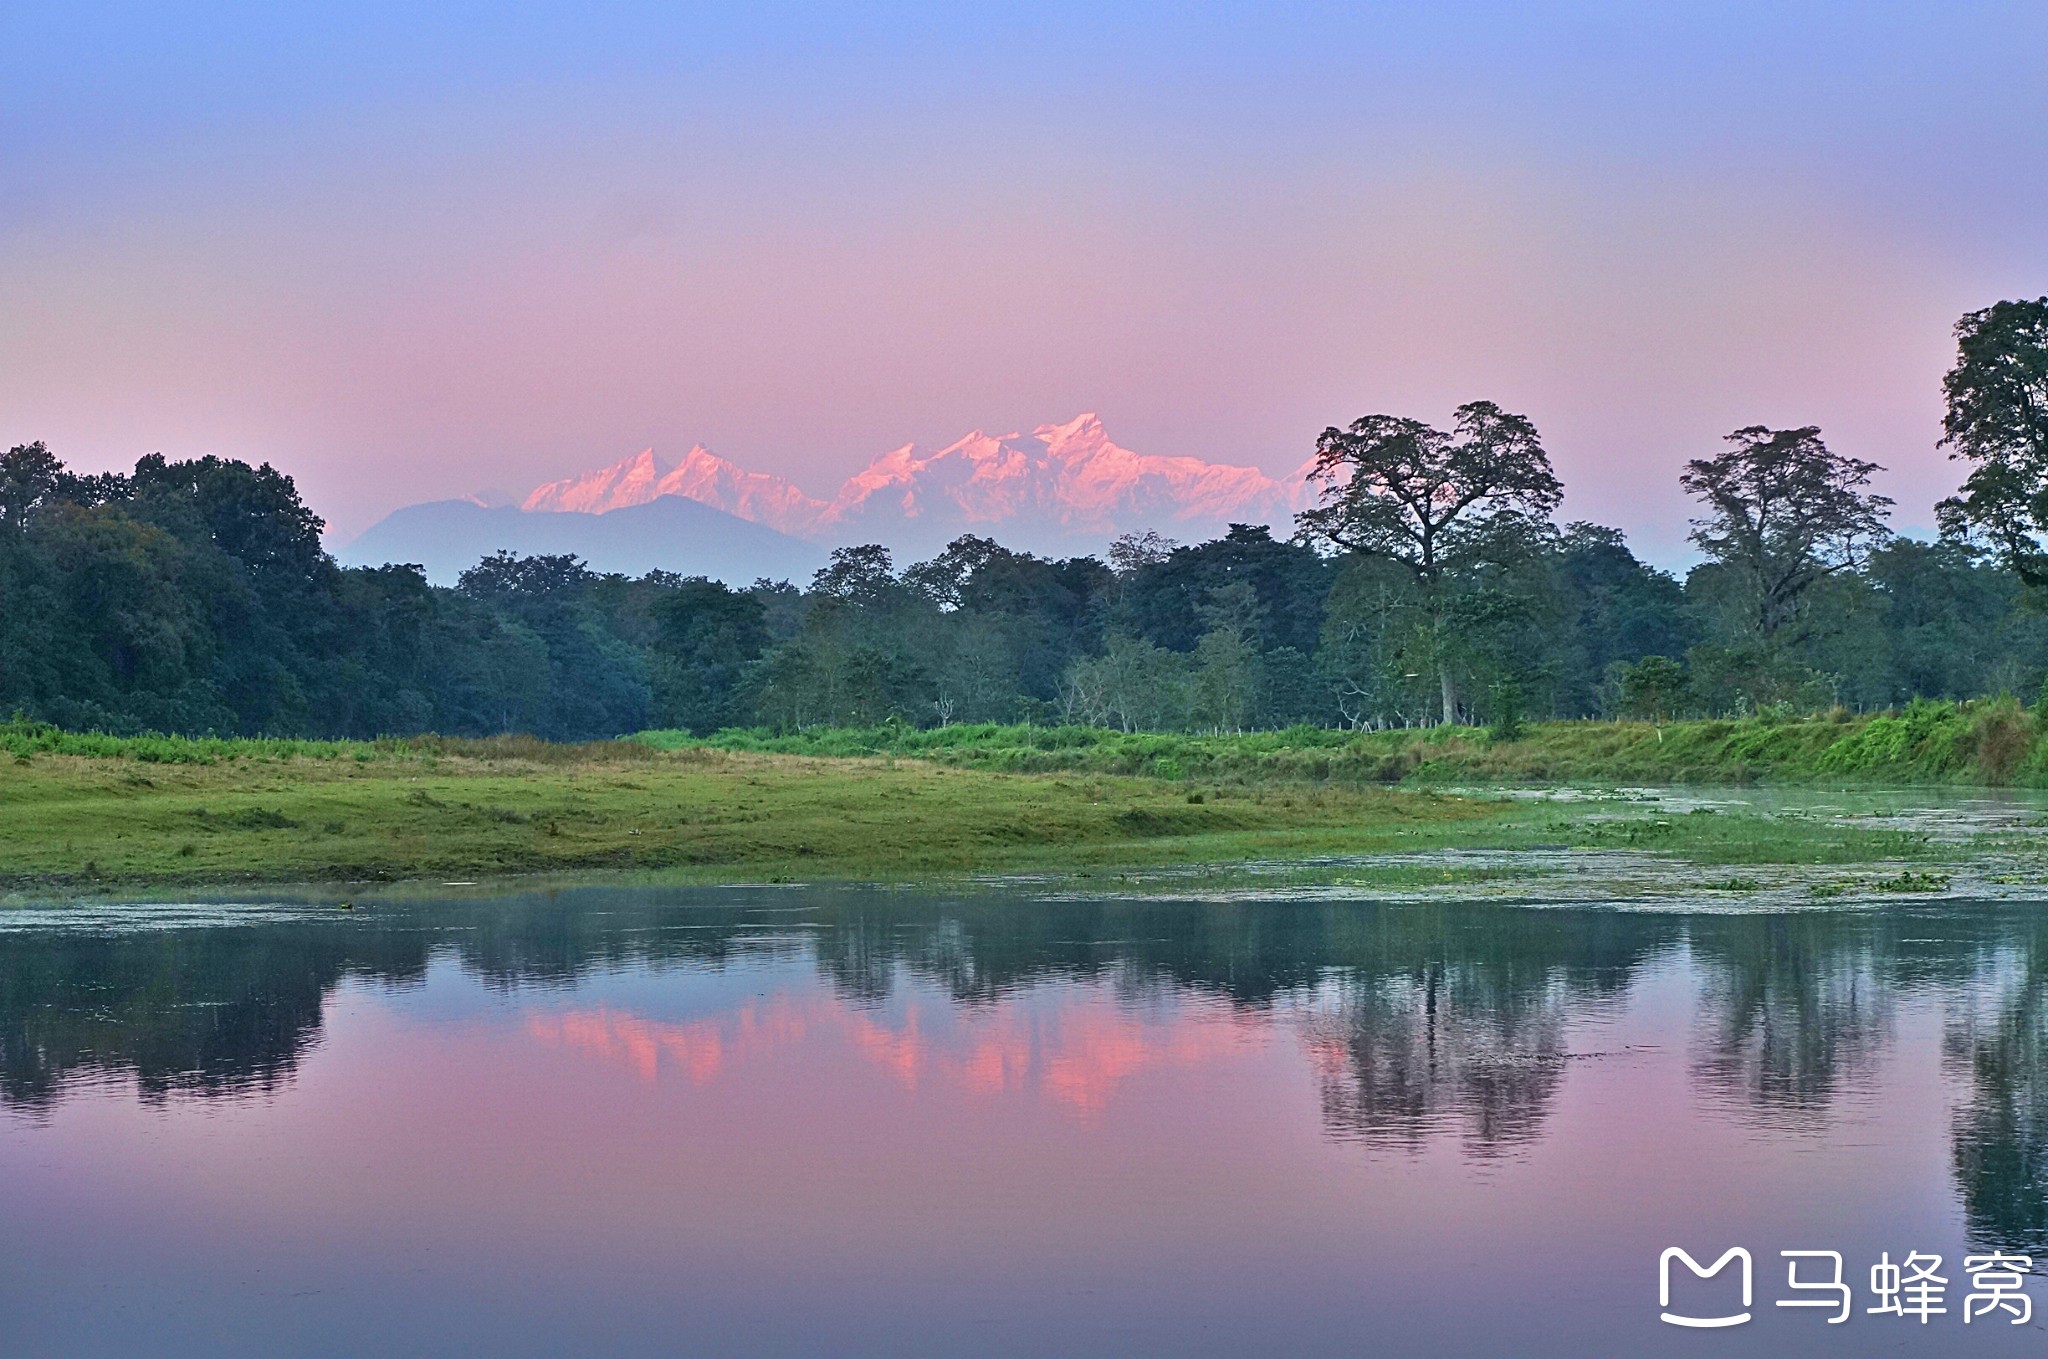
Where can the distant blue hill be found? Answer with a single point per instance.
(447, 537)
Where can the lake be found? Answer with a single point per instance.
(800, 1120)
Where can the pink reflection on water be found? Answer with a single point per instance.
(902, 1054)
(698, 1049)
(1077, 1056)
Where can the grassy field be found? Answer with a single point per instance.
(489, 808)
(1990, 742)
(95, 812)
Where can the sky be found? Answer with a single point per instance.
(406, 252)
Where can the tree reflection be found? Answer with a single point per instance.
(1436, 1007)
(1425, 1025)
(1407, 1059)
(1452, 1021)
(207, 1011)
(231, 1008)
(1796, 1008)
(1997, 1045)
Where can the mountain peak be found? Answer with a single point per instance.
(630, 482)
(1083, 428)
(704, 476)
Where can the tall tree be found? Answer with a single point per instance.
(29, 473)
(1998, 419)
(1404, 491)
(1373, 653)
(863, 575)
(943, 579)
(1783, 512)
(252, 514)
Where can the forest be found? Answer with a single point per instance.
(1431, 584)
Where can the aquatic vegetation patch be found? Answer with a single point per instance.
(1910, 881)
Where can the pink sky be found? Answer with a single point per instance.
(399, 290)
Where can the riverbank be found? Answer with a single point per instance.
(1984, 743)
(96, 813)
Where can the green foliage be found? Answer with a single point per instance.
(506, 576)
(1932, 742)
(1225, 681)
(25, 739)
(706, 637)
(194, 597)
(1507, 724)
(1453, 509)
(1924, 734)
(1133, 686)
(1998, 420)
(1270, 592)
(1375, 652)
(1783, 513)
(29, 475)
(1653, 688)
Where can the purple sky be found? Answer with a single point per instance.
(405, 257)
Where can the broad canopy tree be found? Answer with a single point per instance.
(1430, 500)
(1998, 419)
(1784, 512)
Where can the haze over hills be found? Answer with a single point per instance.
(674, 533)
(1063, 489)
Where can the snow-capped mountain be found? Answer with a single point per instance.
(1064, 487)
(702, 476)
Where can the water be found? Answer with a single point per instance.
(805, 1121)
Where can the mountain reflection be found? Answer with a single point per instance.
(1074, 1056)
(1422, 1025)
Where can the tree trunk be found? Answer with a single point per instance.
(1432, 589)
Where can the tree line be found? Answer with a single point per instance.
(1430, 583)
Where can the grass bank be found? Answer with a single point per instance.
(1987, 743)
(102, 813)
(164, 812)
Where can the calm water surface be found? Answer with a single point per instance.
(803, 1121)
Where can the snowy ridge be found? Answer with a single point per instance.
(1063, 483)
